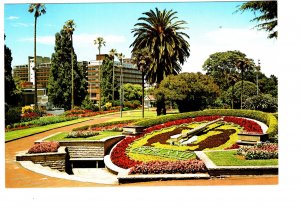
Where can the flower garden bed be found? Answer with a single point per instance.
(153, 144)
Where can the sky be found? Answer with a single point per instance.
(211, 26)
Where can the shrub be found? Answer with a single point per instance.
(169, 167)
(44, 147)
(261, 102)
(27, 109)
(13, 115)
(87, 104)
(260, 151)
(81, 134)
(28, 116)
(266, 118)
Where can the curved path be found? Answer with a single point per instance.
(17, 176)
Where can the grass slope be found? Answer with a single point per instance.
(13, 135)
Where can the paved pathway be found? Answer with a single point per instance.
(17, 176)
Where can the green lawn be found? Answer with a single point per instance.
(12, 135)
(63, 136)
(137, 114)
(229, 158)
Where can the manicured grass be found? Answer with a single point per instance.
(229, 158)
(12, 135)
(63, 136)
(137, 114)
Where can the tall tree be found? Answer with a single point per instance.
(12, 94)
(100, 42)
(112, 54)
(161, 35)
(267, 15)
(38, 10)
(190, 91)
(69, 28)
(222, 65)
(60, 78)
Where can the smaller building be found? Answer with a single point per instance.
(149, 101)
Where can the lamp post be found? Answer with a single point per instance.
(121, 57)
(257, 70)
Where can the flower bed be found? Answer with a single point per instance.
(120, 155)
(44, 147)
(86, 113)
(169, 167)
(260, 151)
(82, 134)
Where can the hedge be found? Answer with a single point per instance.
(82, 128)
(267, 118)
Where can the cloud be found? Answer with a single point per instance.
(45, 40)
(84, 40)
(21, 24)
(251, 42)
(13, 17)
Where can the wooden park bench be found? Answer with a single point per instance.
(85, 153)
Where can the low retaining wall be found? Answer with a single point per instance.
(216, 171)
(54, 160)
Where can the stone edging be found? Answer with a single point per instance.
(215, 170)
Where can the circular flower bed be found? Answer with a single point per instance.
(154, 145)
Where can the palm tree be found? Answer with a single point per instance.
(161, 36)
(99, 41)
(121, 57)
(142, 60)
(112, 54)
(69, 28)
(38, 10)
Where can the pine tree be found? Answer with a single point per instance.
(60, 80)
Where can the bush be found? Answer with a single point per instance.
(87, 104)
(261, 102)
(44, 147)
(27, 109)
(28, 116)
(13, 115)
(260, 151)
(82, 134)
(266, 118)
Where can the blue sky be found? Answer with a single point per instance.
(212, 27)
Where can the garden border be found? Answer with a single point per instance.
(216, 171)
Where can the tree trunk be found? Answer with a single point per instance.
(242, 89)
(143, 95)
(100, 79)
(113, 83)
(72, 102)
(35, 66)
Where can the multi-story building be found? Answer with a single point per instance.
(26, 74)
(129, 71)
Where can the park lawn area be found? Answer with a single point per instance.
(63, 136)
(137, 114)
(12, 135)
(229, 158)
